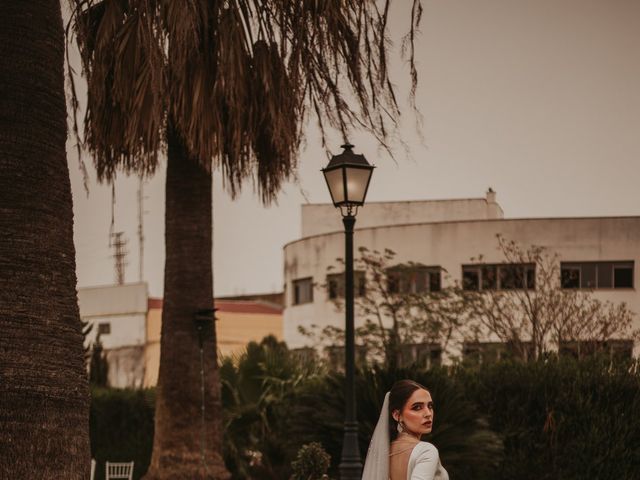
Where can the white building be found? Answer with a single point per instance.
(445, 235)
(119, 314)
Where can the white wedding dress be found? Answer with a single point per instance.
(424, 463)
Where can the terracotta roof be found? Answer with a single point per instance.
(233, 306)
(154, 303)
(248, 306)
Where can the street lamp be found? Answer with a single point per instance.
(348, 177)
(203, 320)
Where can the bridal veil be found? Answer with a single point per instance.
(376, 466)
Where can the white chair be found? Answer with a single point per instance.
(93, 468)
(122, 470)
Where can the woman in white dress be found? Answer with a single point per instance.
(396, 451)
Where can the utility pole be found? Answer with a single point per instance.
(140, 230)
(120, 256)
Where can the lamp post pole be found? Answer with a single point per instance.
(350, 462)
(348, 175)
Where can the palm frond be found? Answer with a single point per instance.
(236, 80)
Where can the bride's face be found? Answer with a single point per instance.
(417, 413)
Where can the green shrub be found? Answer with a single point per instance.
(312, 463)
(256, 387)
(561, 419)
(121, 428)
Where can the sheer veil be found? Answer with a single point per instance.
(376, 466)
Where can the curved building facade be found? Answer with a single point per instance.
(445, 236)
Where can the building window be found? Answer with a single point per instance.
(104, 328)
(504, 276)
(596, 274)
(413, 279)
(423, 354)
(613, 349)
(336, 358)
(335, 284)
(304, 354)
(477, 353)
(303, 291)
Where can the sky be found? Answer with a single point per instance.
(538, 99)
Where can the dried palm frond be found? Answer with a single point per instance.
(237, 80)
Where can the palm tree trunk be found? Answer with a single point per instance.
(44, 396)
(178, 447)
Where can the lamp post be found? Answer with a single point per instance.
(203, 320)
(348, 177)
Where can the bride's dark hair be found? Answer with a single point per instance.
(398, 397)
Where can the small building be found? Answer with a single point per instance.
(128, 322)
(118, 314)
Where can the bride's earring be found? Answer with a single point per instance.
(400, 427)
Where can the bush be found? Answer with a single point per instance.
(256, 387)
(561, 418)
(312, 463)
(121, 428)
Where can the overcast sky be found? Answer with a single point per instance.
(539, 99)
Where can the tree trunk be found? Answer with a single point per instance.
(178, 446)
(44, 396)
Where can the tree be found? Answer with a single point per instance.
(228, 86)
(99, 366)
(44, 395)
(393, 314)
(531, 312)
(256, 386)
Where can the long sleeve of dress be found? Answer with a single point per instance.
(424, 463)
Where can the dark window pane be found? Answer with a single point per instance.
(531, 277)
(588, 275)
(570, 277)
(518, 275)
(623, 276)
(509, 277)
(335, 285)
(621, 349)
(470, 279)
(489, 277)
(393, 281)
(434, 281)
(418, 281)
(360, 284)
(302, 291)
(605, 275)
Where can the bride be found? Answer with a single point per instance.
(395, 451)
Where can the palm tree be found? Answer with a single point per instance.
(44, 395)
(222, 85)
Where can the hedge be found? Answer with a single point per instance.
(554, 419)
(121, 428)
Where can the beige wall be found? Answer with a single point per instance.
(322, 218)
(234, 332)
(152, 347)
